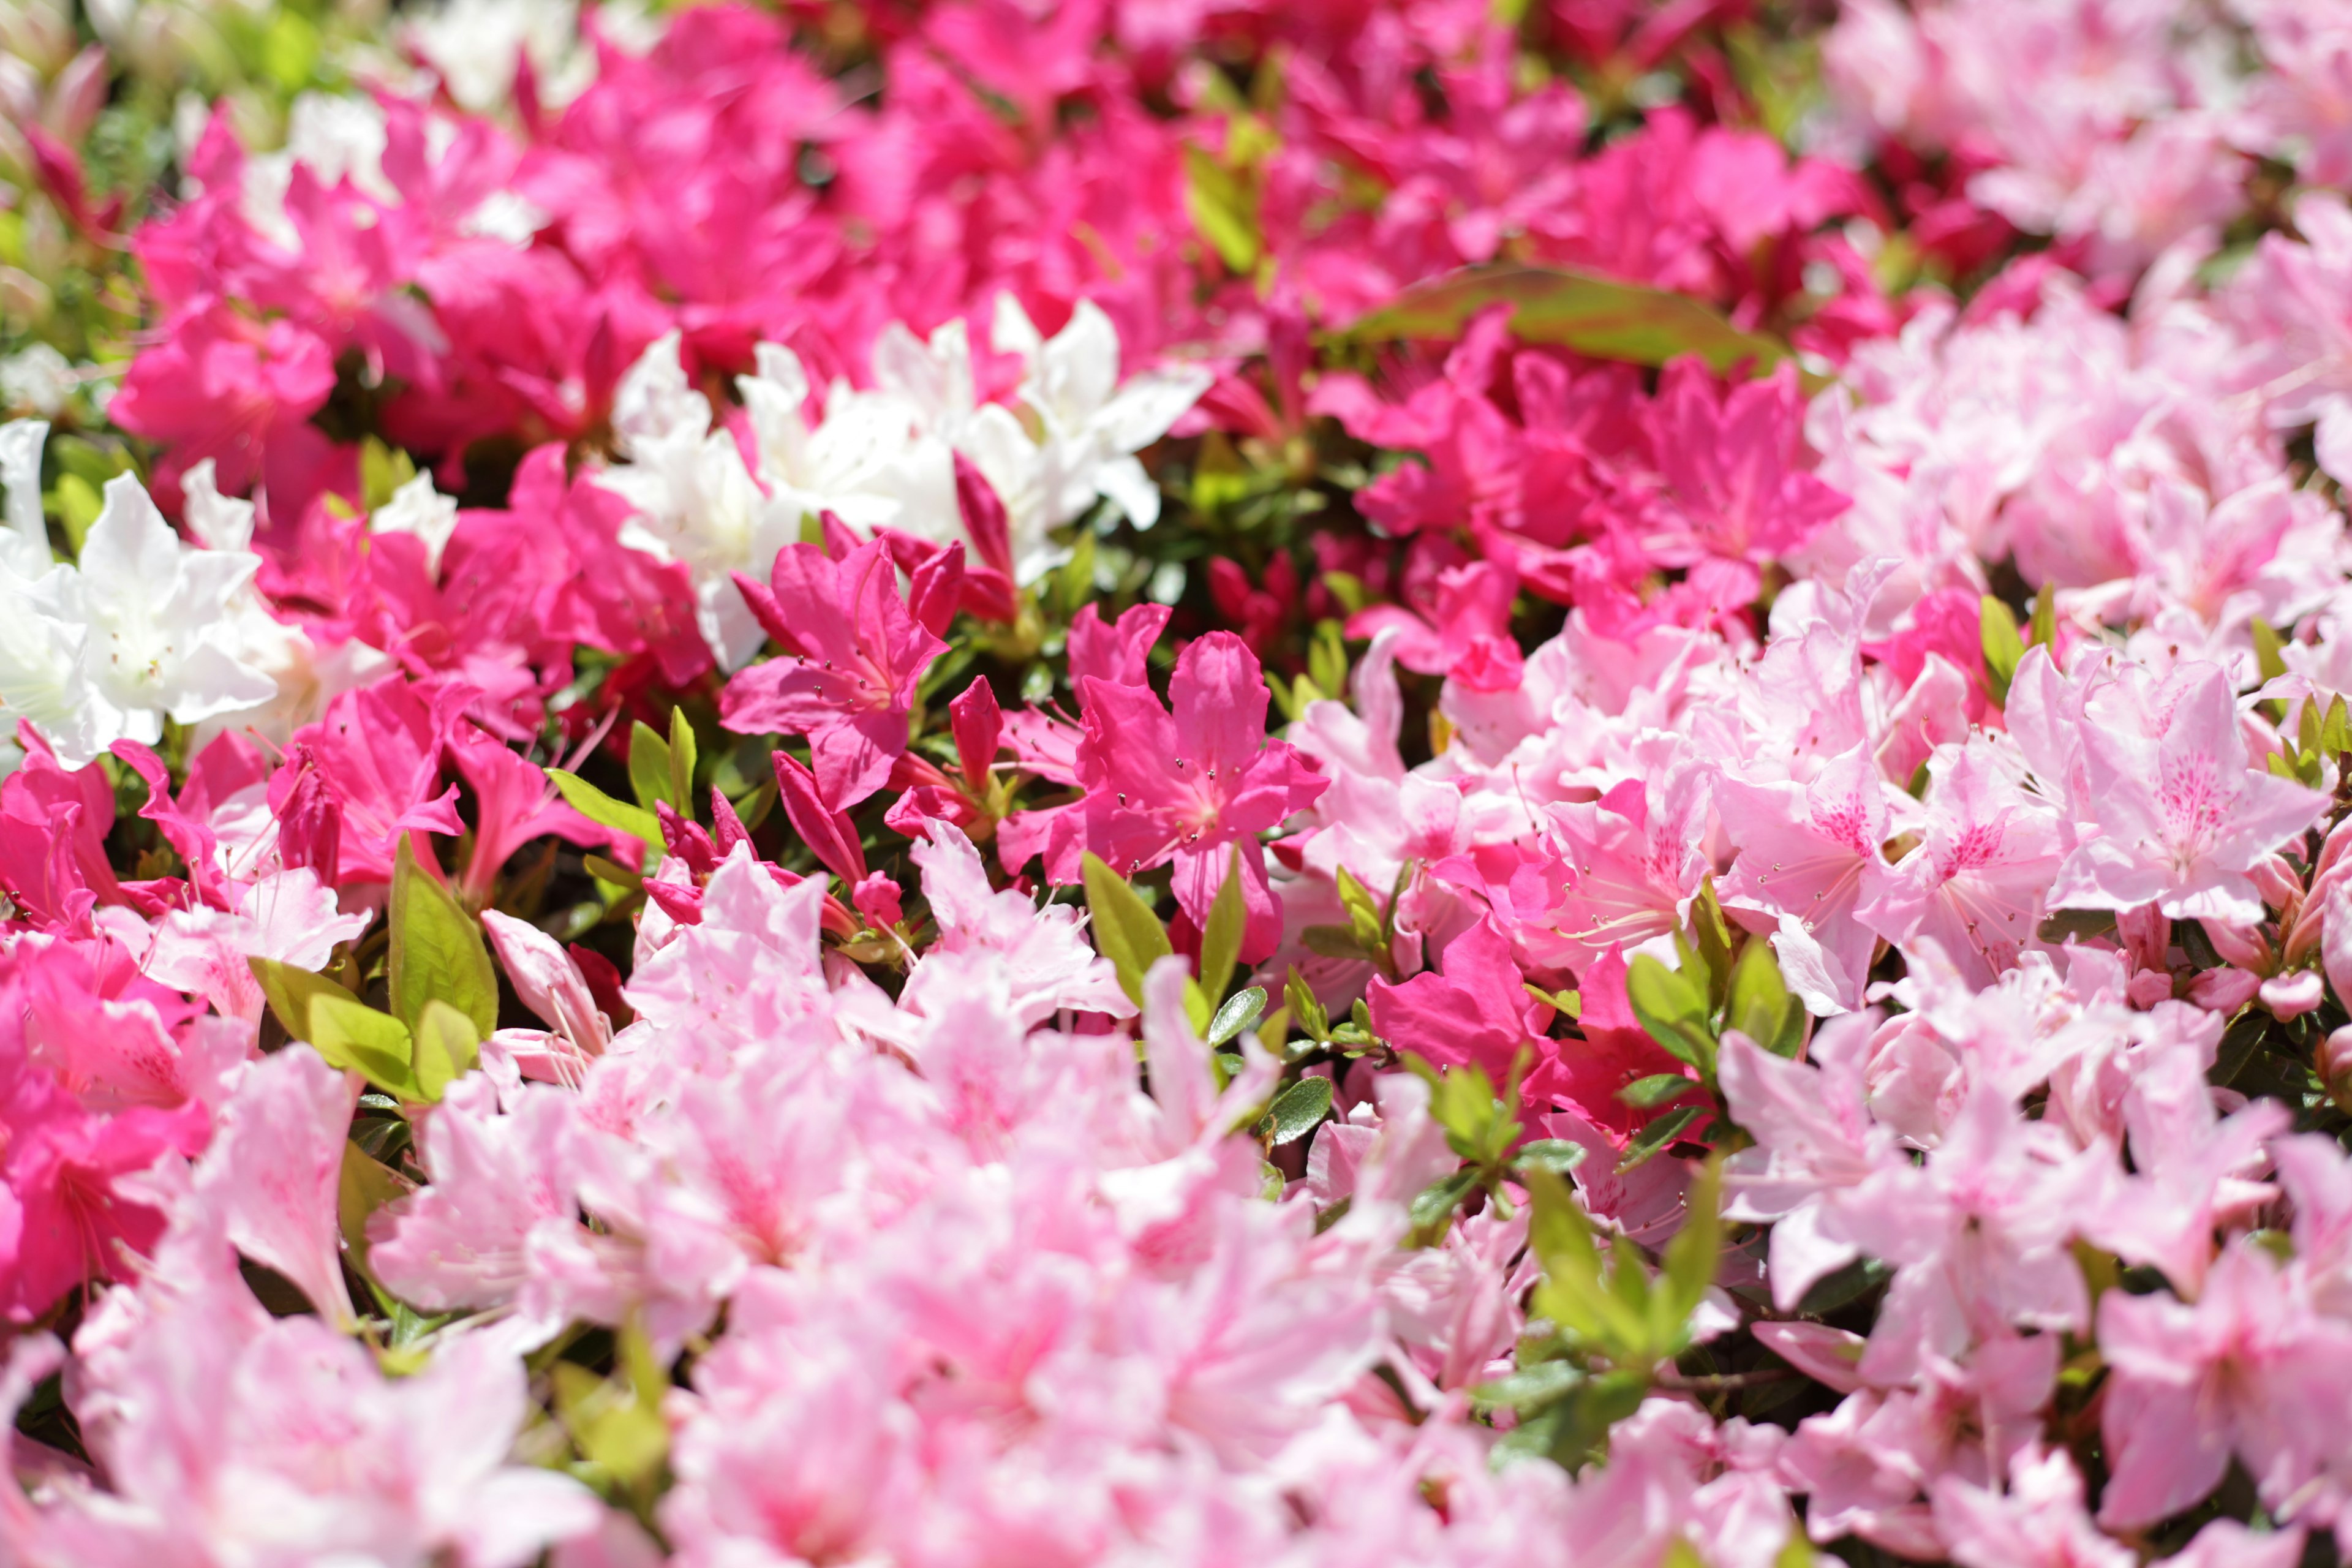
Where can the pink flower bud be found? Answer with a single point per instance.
(2292, 995)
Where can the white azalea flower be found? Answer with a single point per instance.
(695, 501)
(162, 633)
(143, 627)
(871, 462)
(1093, 424)
(419, 510)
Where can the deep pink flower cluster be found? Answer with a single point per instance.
(883, 786)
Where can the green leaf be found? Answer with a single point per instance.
(2336, 730)
(447, 1044)
(364, 1187)
(1649, 1093)
(290, 990)
(1334, 941)
(383, 471)
(1557, 1155)
(597, 806)
(1653, 1138)
(2266, 651)
(2045, 619)
(1075, 583)
(1563, 1240)
(1221, 936)
(1306, 1009)
(683, 755)
(616, 1422)
(1364, 920)
(357, 1038)
(437, 951)
(1530, 1388)
(1673, 1010)
(1296, 1109)
(1760, 1006)
(1582, 310)
(1714, 942)
(1242, 1009)
(1997, 624)
(1225, 210)
(1434, 1206)
(649, 769)
(1690, 1257)
(1327, 657)
(1126, 930)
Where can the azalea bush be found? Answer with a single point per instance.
(1151, 780)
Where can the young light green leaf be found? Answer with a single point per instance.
(436, 950)
(353, 1036)
(1296, 1109)
(1241, 1010)
(447, 1046)
(1223, 209)
(649, 769)
(1306, 1009)
(1222, 933)
(364, 1187)
(2003, 647)
(2045, 632)
(2268, 658)
(1690, 1257)
(1126, 930)
(1713, 939)
(1673, 1009)
(1334, 942)
(1760, 1006)
(599, 807)
(290, 989)
(1571, 1294)
(682, 759)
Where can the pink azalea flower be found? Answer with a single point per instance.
(1190, 786)
(2183, 816)
(854, 656)
(1809, 859)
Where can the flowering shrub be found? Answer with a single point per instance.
(1139, 781)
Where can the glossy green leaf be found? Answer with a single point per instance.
(1557, 1155)
(437, 951)
(1654, 1138)
(1296, 1109)
(1242, 1009)
(1594, 315)
(1649, 1093)
(1126, 931)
